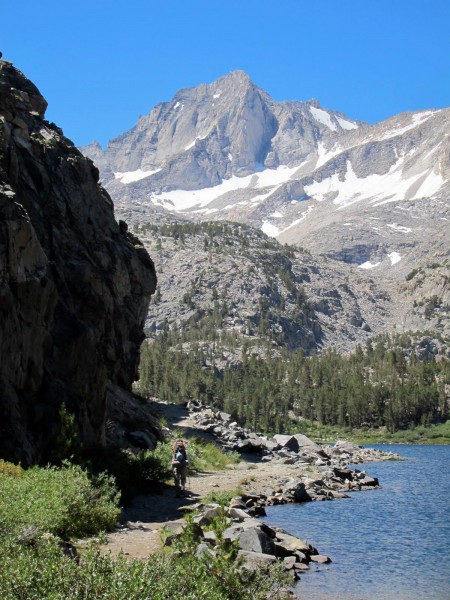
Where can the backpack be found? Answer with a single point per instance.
(179, 453)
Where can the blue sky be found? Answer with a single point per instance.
(102, 63)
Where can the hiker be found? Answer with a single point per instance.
(179, 467)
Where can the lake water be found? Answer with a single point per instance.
(387, 544)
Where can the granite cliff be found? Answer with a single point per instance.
(75, 284)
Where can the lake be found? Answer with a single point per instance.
(385, 544)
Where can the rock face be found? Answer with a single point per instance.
(75, 285)
(368, 202)
(371, 196)
(262, 290)
(211, 132)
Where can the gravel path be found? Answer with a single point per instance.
(142, 523)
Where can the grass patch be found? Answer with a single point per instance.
(222, 497)
(328, 434)
(206, 456)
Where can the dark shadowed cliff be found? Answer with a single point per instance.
(74, 284)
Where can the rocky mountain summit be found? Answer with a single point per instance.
(373, 196)
(75, 284)
(212, 132)
(368, 203)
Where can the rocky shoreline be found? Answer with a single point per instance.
(317, 473)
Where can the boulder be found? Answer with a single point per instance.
(272, 445)
(344, 446)
(255, 540)
(223, 416)
(369, 481)
(254, 559)
(320, 559)
(209, 536)
(343, 473)
(211, 511)
(236, 513)
(237, 503)
(289, 562)
(287, 441)
(257, 511)
(233, 531)
(305, 442)
(291, 544)
(203, 549)
(248, 446)
(301, 494)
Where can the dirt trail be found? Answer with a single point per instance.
(150, 513)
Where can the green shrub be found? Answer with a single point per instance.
(66, 444)
(42, 571)
(204, 456)
(222, 497)
(7, 468)
(134, 472)
(62, 501)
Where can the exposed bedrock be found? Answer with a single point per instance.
(74, 284)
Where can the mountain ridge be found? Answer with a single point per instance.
(301, 173)
(371, 200)
(235, 91)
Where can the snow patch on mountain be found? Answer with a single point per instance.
(416, 119)
(270, 229)
(273, 231)
(369, 265)
(192, 144)
(346, 124)
(181, 200)
(399, 228)
(431, 185)
(325, 155)
(390, 187)
(323, 117)
(131, 176)
(394, 257)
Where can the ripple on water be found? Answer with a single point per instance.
(386, 544)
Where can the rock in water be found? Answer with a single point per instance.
(74, 286)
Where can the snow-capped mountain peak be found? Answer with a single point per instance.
(300, 172)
